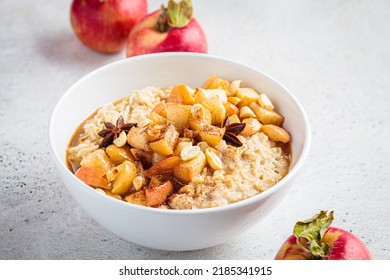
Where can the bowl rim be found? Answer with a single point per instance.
(229, 207)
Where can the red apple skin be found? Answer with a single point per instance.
(343, 246)
(104, 25)
(145, 38)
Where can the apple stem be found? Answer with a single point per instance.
(162, 21)
(177, 15)
(302, 246)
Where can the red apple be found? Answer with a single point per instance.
(313, 239)
(171, 29)
(104, 25)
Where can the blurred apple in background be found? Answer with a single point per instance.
(314, 239)
(170, 29)
(104, 25)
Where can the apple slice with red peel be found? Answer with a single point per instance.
(314, 239)
(171, 29)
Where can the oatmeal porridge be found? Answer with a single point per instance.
(183, 148)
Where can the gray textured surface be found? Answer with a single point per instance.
(334, 55)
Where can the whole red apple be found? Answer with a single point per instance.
(104, 25)
(313, 239)
(171, 29)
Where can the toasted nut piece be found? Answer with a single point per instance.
(138, 182)
(180, 146)
(217, 110)
(252, 127)
(246, 112)
(233, 87)
(144, 122)
(97, 159)
(124, 175)
(100, 190)
(204, 94)
(138, 138)
(265, 116)
(212, 135)
(265, 102)
(118, 155)
(233, 119)
(213, 160)
(214, 82)
(189, 152)
(160, 109)
(153, 132)
(178, 114)
(247, 96)
(121, 140)
(203, 146)
(275, 133)
(157, 119)
(182, 94)
(230, 109)
(234, 100)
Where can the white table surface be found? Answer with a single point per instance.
(334, 55)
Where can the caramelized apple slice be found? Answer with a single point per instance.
(182, 94)
(212, 135)
(164, 167)
(166, 143)
(247, 96)
(178, 115)
(93, 177)
(138, 138)
(97, 159)
(185, 171)
(156, 195)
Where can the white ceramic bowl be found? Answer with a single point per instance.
(177, 230)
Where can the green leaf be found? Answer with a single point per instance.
(179, 13)
(313, 231)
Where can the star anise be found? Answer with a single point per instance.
(111, 132)
(231, 132)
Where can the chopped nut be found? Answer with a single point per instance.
(100, 190)
(189, 152)
(180, 146)
(138, 182)
(203, 146)
(275, 133)
(246, 112)
(265, 102)
(121, 140)
(213, 160)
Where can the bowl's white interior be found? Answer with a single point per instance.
(119, 79)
